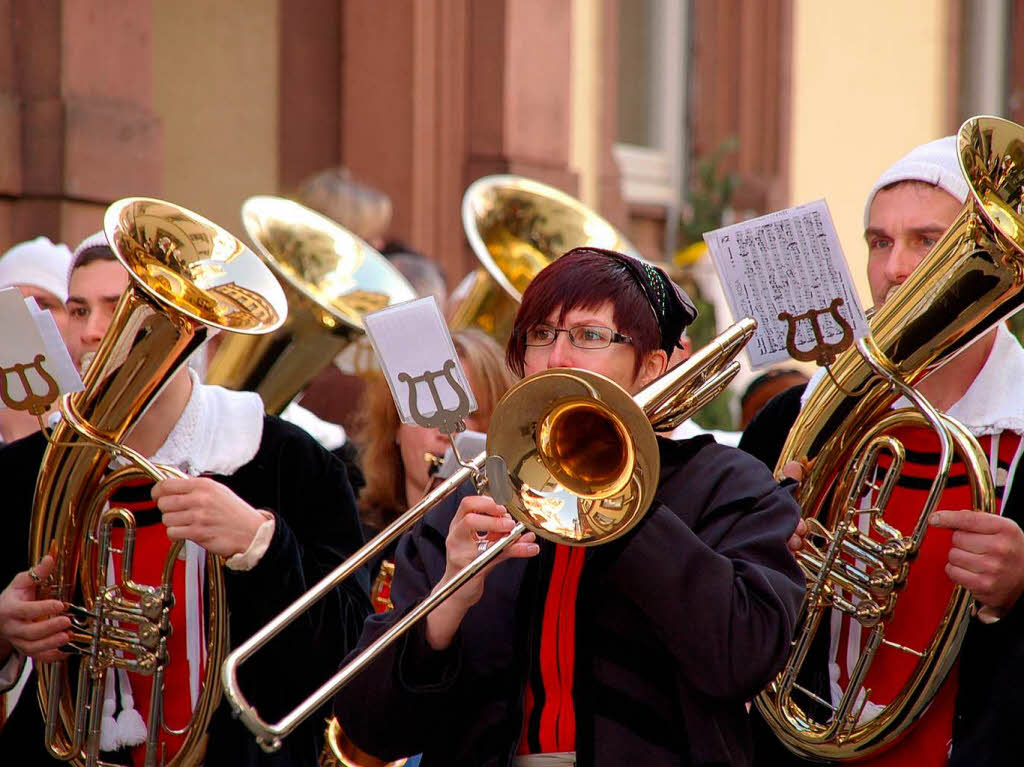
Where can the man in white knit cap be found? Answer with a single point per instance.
(972, 718)
(259, 492)
(39, 269)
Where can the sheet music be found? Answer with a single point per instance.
(31, 331)
(787, 261)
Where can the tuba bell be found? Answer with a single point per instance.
(516, 227)
(860, 562)
(331, 279)
(188, 276)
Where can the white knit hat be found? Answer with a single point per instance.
(94, 240)
(937, 162)
(39, 263)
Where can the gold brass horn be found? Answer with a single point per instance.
(187, 275)
(516, 227)
(969, 282)
(517, 475)
(331, 278)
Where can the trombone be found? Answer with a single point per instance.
(582, 471)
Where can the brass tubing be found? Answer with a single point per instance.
(267, 734)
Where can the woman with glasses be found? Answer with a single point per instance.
(641, 651)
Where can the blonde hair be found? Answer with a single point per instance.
(383, 498)
(363, 210)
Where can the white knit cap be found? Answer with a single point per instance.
(39, 263)
(936, 162)
(94, 240)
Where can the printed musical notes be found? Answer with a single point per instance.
(789, 263)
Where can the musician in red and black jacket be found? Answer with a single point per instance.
(641, 651)
(972, 721)
(260, 492)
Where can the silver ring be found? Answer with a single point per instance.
(482, 546)
(33, 576)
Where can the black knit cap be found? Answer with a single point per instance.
(672, 308)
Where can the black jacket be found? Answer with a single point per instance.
(678, 623)
(316, 527)
(990, 685)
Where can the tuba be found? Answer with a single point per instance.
(188, 276)
(331, 279)
(858, 562)
(516, 227)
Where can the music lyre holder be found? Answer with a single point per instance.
(451, 421)
(34, 403)
(823, 352)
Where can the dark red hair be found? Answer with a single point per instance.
(585, 279)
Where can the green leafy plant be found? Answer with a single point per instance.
(711, 193)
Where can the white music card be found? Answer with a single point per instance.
(32, 352)
(788, 272)
(417, 355)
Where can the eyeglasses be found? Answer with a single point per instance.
(581, 336)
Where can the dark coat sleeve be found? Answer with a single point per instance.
(710, 570)
(316, 528)
(409, 682)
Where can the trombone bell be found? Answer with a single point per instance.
(585, 447)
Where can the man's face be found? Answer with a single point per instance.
(904, 223)
(93, 293)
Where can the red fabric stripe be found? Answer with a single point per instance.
(557, 659)
(524, 738)
(138, 482)
(549, 659)
(567, 635)
(135, 505)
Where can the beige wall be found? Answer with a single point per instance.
(585, 133)
(215, 89)
(868, 85)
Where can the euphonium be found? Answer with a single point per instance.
(516, 227)
(187, 276)
(970, 281)
(331, 279)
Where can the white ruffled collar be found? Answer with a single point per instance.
(990, 405)
(218, 432)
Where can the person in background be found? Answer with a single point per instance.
(425, 276)
(39, 269)
(360, 208)
(764, 387)
(399, 459)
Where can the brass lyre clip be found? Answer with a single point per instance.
(449, 421)
(823, 352)
(36, 404)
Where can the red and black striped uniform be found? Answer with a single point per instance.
(922, 603)
(151, 548)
